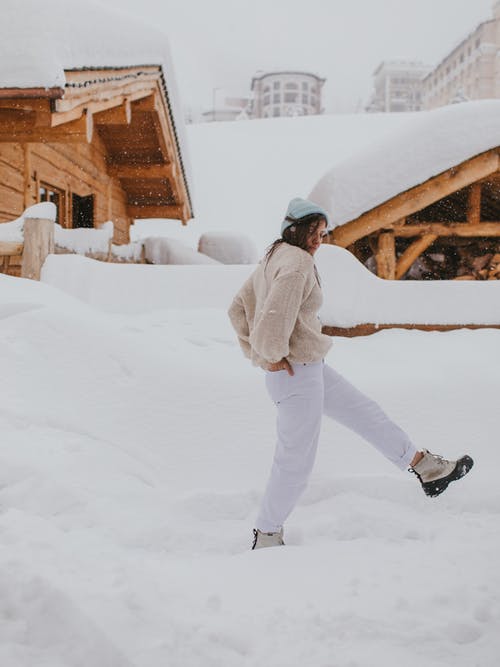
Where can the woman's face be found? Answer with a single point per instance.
(315, 238)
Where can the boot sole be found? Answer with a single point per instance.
(436, 487)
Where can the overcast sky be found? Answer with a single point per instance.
(218, 45)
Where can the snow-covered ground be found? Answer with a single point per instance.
(134, 451)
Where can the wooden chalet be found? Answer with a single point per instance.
(447, 227)
(103, 147)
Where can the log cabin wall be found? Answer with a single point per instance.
(71, 169)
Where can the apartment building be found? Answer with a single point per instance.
(286, 93)
(398, 86)
(471, 71)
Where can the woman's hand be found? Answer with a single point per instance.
(283, 365)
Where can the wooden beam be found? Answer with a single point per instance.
(148, 103)
(119, 115)
(448, 229)
(412, 253)
(411, 201)
(474, 204)
(369, 329)
(386, 255)
(10, 248)
(29, 199)
(166, 170)
(139, 212)
(38, 243)
(80, 130)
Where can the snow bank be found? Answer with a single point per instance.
(162, 250)
(430, 143)
(139, 288)
(84, 241)
(353, 295)
(228, 248)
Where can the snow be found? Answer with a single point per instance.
(44, 210)
(430, 143)
(228, 248)
(162, 250)
(353, 295)
(135, 448)
(14, 231)
(139, 288)
(262, 164)
(83, 240)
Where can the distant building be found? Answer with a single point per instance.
(286, 93)
(398, 86)
(471, 71)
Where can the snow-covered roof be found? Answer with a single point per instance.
(429, 144)
(42, 39)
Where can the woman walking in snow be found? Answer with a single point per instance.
(275, 316)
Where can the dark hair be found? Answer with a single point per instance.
(297, 234)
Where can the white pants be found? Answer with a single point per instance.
(301, 400)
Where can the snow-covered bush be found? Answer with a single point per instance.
(228, 248)
(162, 250)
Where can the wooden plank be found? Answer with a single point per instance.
(12, 154)
(142, 171)
(386, 255)
(139, 212)
(11, 200)
(369, 329)
(38, 243)
(411, 201)
(118, 115)
(25, 104)
(12, 176)
(10, 248)
(474, 204)
(412, 253)
(30, 196)
(448, 229)
(79, 130)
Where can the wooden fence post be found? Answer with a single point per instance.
(38, 243)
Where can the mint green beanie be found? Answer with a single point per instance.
(298, 208)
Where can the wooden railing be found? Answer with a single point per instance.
(26, 259)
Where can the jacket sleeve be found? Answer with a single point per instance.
(275, 322)
(238, 316)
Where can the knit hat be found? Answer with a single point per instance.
(298, 208)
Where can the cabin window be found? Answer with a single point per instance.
(48, 192)
(82, 211)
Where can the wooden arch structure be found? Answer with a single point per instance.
(105, 146)
(445, 228)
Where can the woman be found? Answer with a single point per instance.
(275, 315)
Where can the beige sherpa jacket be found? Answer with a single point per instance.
(275, 313)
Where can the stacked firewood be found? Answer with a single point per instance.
(484, 267)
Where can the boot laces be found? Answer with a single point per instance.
(255, 535)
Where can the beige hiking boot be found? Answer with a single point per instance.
(435, 472)
(261, 540)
